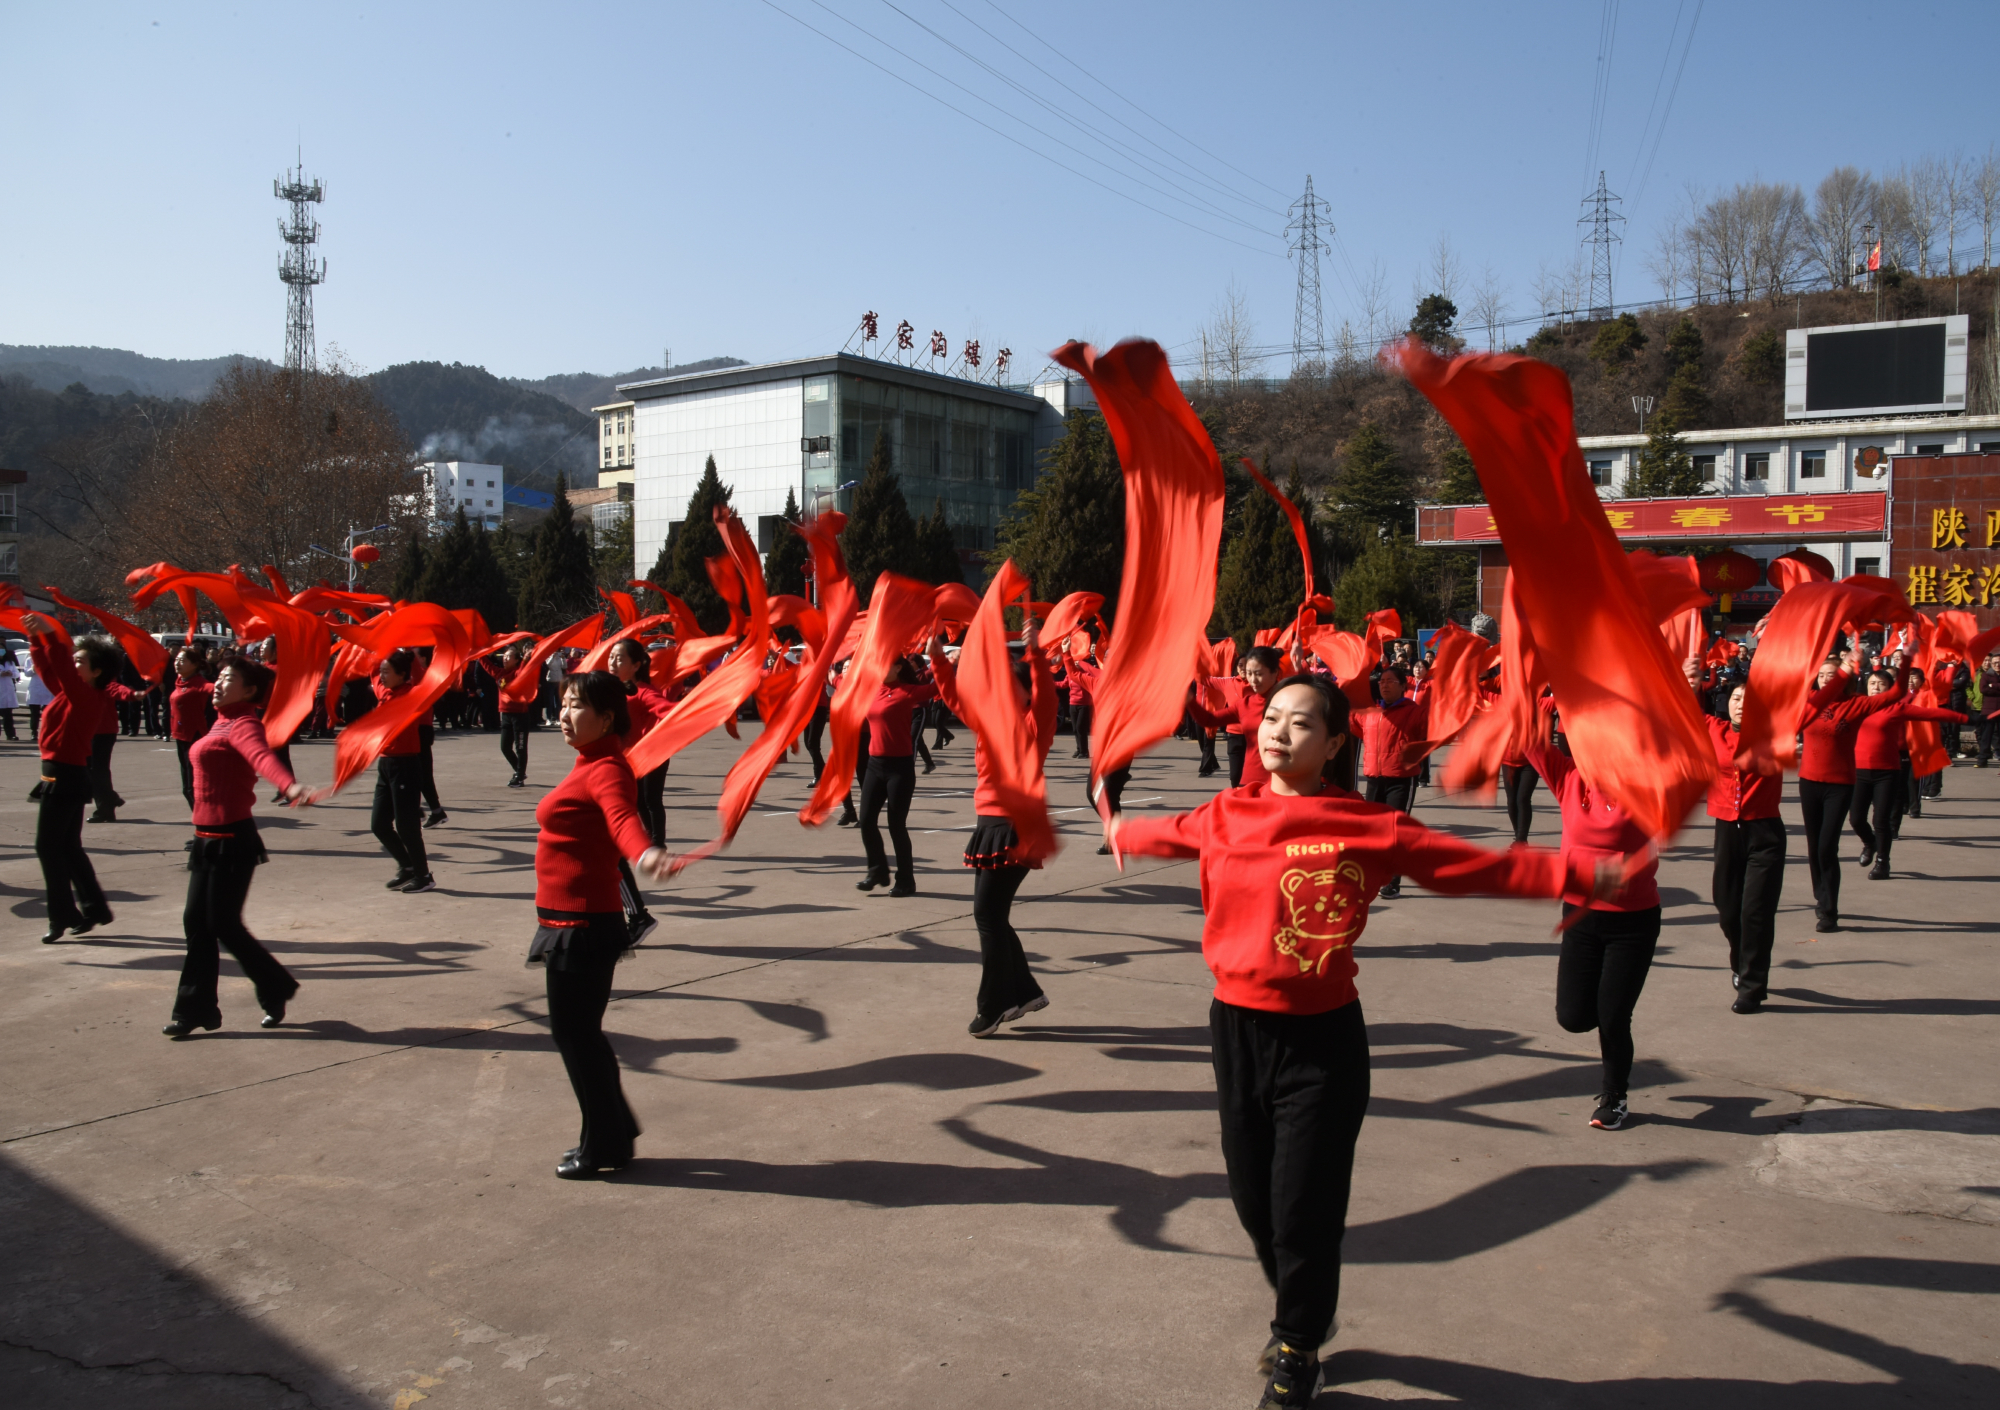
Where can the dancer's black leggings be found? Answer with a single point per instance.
(397, 818)
(1236, 748)
(1397, 793)
(1605, 958)
(1520, 781)
(1291, 1090)
(815, 733)
(890, 779)
(1749, 875)
(1080, 717)
(181, 747)
(653, 804)
(213, 921)
(514, 731)
(71, 882)
(1004, 977)
(426, 742)
(1825, 808)
(103, 795)
(579, 987)
(1882, 791)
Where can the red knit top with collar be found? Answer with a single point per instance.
(406, 741)
(1244, 717)
(188, 710)
(1594, 829)
(1881, 740)
(70, 717)
(227, 762)
(1286, 883)
(1391, 735)
(1832, 720)
(644, 705)
(1041, 710)
(1739, 791)
(1081, 677)
(889, 719)
(587, 822)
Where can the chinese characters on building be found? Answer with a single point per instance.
(1955, 583)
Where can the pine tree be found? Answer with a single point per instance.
(612, 552)
(463, 571)
(1664, 467)
(410, 565)
(936, 557)
(682, 565)
(1618, 342)
(1687, 396)
(1435, 318)
(1374, 491)
(1458, 482)
(560, 584)
(1389, 573)
(880, 536)
(1068, 532)
(785, 564)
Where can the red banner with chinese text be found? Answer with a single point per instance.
(1732, 518)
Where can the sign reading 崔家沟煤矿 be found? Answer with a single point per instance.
(1944, 533)
(1736, 518)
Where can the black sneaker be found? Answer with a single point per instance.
(426, 882)
(1610, 1113)
(1393, 891)
(435, 816)
(517, 781)
(1295, 1378)
(399, 880)
(984, 1025)
(638, 927)
(1034, 1005)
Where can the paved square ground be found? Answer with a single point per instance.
(841, 1200)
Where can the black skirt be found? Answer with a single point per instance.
(994, 845)
(554, 930)
(227, 846)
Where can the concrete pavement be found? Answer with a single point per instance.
(841, 1200)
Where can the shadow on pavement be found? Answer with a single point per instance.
(936, 1072)
(1923, 1274)
(89, 1317)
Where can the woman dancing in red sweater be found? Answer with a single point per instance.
(588, 822)
(1288, 869)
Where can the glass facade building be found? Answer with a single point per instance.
(809, 427)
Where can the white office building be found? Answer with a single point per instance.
(806, 428)
(481, 489)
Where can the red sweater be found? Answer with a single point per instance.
(1833, 719)
(188, 709)
(502, 675)
(1879, 743)
(1286, 882)
(406, 741)
(1739, 793)
(588, 820)
(1244, 717)
(889, 719)
(227, 761)
(1041, 709)
(1594, 829)
(113, 696)
(1391, 735)
(70, 717)
(645, 705)
(1082, 681)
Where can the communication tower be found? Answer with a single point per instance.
(1309, 214)
(1598, 215)
(297, 268)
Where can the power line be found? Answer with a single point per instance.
(1686, 48)
(1053, 110)
(1128, 102)
(1308, 214)
(1600, 93)
(1008, 136)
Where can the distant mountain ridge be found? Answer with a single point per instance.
(111, 371)
(583, 390)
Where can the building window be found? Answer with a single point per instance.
(1705, 466)
(1812, 465)
(1871, 567)
(1928, 450)
(1989, 447)
(1600, 472)
(1758, 466)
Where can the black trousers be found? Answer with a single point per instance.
(397, 819)
(579, 988)
(1825, 807)
(1236, 748)
(1208, 764)
(1878, 791)
(917, 743)
(213, 921)
(815, 733)
(1605, 959)
(426, 742)
(653, 804)
(1519, 781)
(7, 719)
(1984, 732)
(1080, 716)
(514, 731)
(71, 882)
(181, 747)
(1004, 977)
(102, 794)
(1749, 874)
(890, 779)
(1397, 793)
(34, 722)
(1292, 1089)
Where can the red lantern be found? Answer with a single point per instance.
(366, 553)
(1729, 572)
(1801, 565)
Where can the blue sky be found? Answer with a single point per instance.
(545, 189)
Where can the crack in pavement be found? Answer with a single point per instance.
(154, 1366)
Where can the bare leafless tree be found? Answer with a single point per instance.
(1443, 273)
(1489, 306)
(1842, 204)
(1986, 202)
(1774, 219)
(1913, 209)
(1954, 179)
(1233, 334)
(1668, 260)
(1374, 297)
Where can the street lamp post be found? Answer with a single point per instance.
(1642, 405)
(348, 544)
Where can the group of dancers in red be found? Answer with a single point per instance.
(1327, 740)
